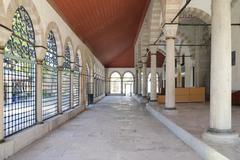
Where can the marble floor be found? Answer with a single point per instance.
(116, 128)
(194, 118)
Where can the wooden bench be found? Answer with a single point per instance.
(186, 95)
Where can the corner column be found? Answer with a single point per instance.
(170, 33)
(220, 129)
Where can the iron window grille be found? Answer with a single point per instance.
(20, 75)
(66, 81)
(50, 79)
(76, 84)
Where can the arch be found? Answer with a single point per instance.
(113, 72)
(129, 72)
(115, 83)
(20, 74)
(68, 43)
(52, 26)
(79, 53)
(198, 13)
(128, 83)
(33, 13)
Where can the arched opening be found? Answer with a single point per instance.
(115, 83)
(149, 83)
(66, 80)
(76, 83)
(128, 83)
(50, 79)
(20, 75)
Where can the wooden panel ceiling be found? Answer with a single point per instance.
(108, 27)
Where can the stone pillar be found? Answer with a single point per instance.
(40, 52)
(72, 85)
(139, 80)
(136, 81)
(144, 70)
(71, 89)
(170, 33)
(122, 86)
(39, 91)
(4, 37)
(153, 96)
(91, 88)
(60, 70)
(221, 73)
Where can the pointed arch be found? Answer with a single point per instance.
(33, 13)
(52, 26)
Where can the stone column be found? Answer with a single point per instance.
(40, 52)
(139, 80)
(39, 91)
(122, 86)
(136, 81)
(153, 96)
(91, 88)
(144, 70)
(220, 98)
(60, 70)
(4, 37)
(170, 33)
(71, 89)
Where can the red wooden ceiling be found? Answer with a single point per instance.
(108, 27)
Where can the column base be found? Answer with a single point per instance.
(221, 136)
(39, 123)
(170, 111)
(153, 100)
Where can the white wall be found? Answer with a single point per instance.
(236, 45)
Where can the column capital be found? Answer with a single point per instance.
(40, 52)
(5, 34)
(153, 49)
(144, 59)
(60, 68)
(39, 61)
(170, 31)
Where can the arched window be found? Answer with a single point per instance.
(66, 81)
(50, 76)
(115, 83)
(76, 83)
(149, 83)
(19, 75)
(128, 82)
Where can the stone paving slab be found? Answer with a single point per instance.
(194, 118)
(117, 128)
